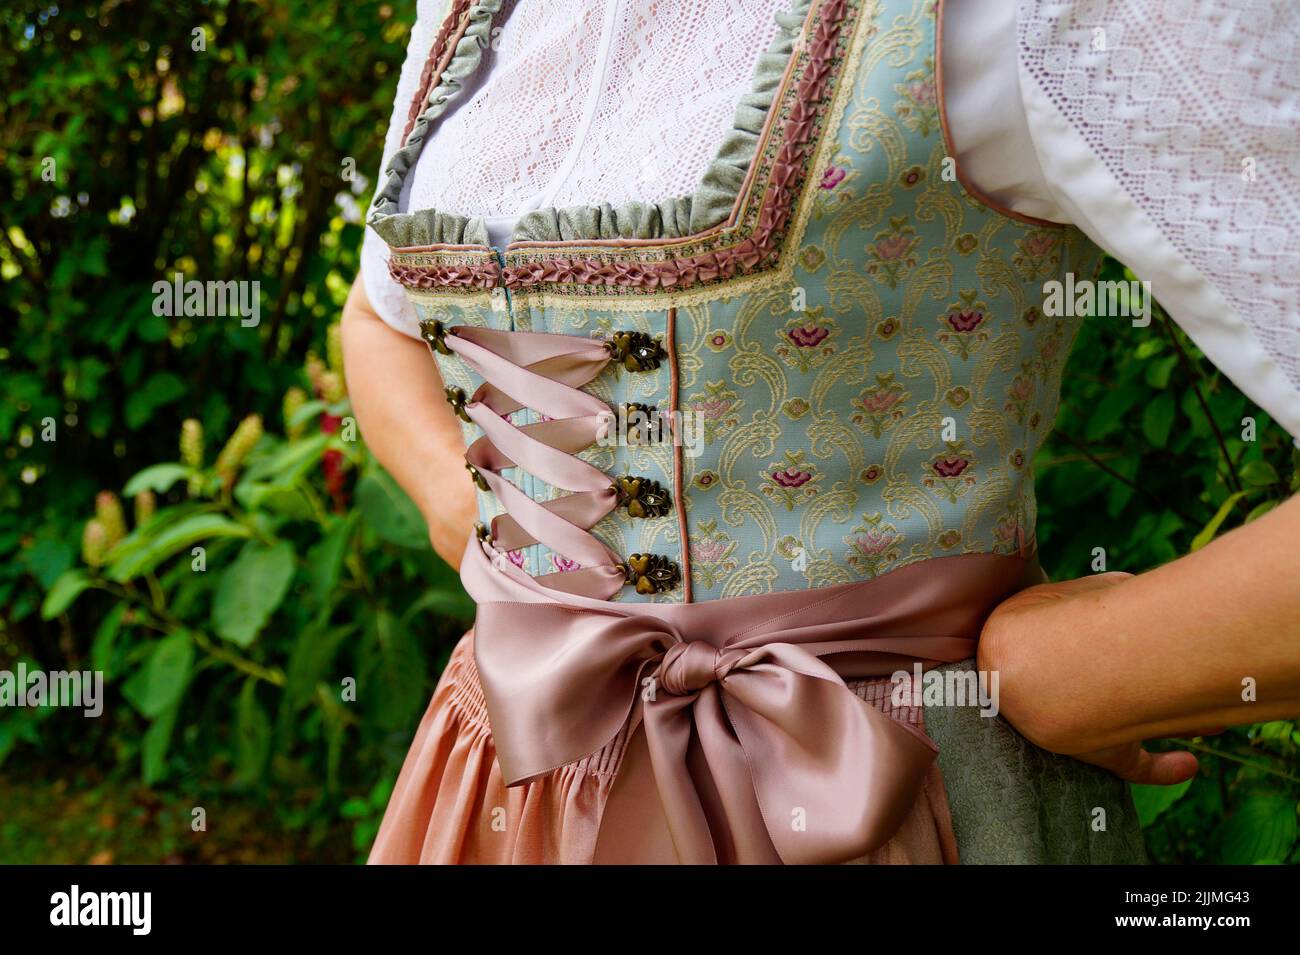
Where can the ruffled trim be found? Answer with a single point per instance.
(679, 218)
(467, 29)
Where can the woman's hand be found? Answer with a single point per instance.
(397, 397)
(1029, 705)
(1091, 667)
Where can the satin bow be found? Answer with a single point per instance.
(743, 742)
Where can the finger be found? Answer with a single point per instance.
(1157, 769)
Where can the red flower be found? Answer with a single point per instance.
(808, 336)
(950, 467)
(791, 477)
(965, 321)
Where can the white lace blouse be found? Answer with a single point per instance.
(1164, 129)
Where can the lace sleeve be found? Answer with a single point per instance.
(1168, 131)
(385, 295)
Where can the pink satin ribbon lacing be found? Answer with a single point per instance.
(543, 372)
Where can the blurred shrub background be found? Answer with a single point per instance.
(128, 154)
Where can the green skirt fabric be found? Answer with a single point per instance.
(1013, 803)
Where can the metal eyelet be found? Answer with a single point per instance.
(435, 334)
(636, 351)
(479, 481)
(482, 532)
(651, 573)
(456, 397)
(642, 497)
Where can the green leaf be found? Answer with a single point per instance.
(288, 499)
(389, 512)
(312, 656)
(177, 537)
(392, 686)
(1207, 533)
(65, 590)
(304, 414)
(1151, 801)
(154, 746)
(252, 735)
(161, 681)
(1158, 372)
(250, 590)
(1260, 510)
(101, 648)
(289, 461)
(159, 478)
(162, 388)
(325, 564)
(1110, 413)
(1259, 473)
(1158, 419)
(48, 558)
(1262, 829)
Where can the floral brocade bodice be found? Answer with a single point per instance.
(854, 346)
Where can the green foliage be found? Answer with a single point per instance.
(132, 151)
(1151, 460)
(251, 615)
(133, 148)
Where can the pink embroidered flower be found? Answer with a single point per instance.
(922, 92)
(894, 247)
(1040, 243)
(563, 565)
(875, 542)
(1022, 389)
(833, 176)
(712, 409)
(950, 467)
(709, 551)
(880, 401)
(791, 477)
(965, 321)
(516, 557)
(807, 336)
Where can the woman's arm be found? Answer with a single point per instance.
(397, 397)
(1091, 667)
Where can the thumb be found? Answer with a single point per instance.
(1133, 763)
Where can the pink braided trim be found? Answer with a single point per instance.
(484, 275)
